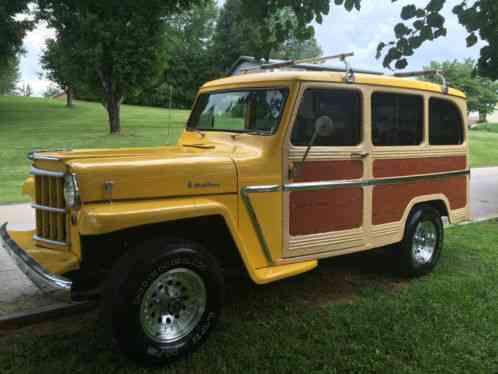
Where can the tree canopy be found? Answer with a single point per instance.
(242, 30)
(426, 23)
(13, 28)
(9, 75)
(117, 46)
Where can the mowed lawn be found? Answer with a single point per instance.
(484, 145)
(35, 123)
(350, 315)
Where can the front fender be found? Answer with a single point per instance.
(103, 218)
(97, 219)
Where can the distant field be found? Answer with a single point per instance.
(28, 123)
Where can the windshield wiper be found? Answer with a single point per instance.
(258, 132)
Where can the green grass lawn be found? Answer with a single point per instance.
(483, 148)
(29, 123)
(348, 315)
(488, 127)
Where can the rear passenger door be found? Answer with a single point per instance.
(398, 141)
(321, 221)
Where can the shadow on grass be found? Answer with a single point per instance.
(335, 280)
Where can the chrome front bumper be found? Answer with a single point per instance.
(57, 286)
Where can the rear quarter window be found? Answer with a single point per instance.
(445, 123)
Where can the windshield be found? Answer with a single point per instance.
(253, 111)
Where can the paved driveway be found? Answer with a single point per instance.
(483, 195)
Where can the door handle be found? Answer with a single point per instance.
(360, 155)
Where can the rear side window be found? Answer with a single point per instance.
(343, 107)
(397, 120)
(445, 123)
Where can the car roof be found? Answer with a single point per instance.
(322, 76)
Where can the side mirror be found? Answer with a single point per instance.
(323, 126)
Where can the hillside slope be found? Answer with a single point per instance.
(35, 123)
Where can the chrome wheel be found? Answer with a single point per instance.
(424, 242)
(173, 305)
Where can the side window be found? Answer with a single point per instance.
(397, 120)
(343, 107)
(445, 123)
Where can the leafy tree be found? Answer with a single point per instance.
(9, 76)
(189, 58)
(12, 29)
(118, 45)
(295, 49)
(271, 32)
(57, 61)
(481, 92)
(426, 23)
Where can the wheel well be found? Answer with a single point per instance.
(99, 253)
(439, 205)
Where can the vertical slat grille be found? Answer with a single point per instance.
(50, 208)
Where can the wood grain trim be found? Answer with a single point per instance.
(315, 212)
(391, 201)
(316, 171)
(414, 166)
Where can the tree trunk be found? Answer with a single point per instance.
(483, 117)
(113, 107)
(112, 100)
(69, 97)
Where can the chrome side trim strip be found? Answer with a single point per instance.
(48, 208)
(47, 173)
(51, 242)
(311, 186)
(244, 193)
(57, 285)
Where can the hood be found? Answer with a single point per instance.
(144, 173)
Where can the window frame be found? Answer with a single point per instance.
(331, 87)
(288, 99)
(460, 116)
(423, 116)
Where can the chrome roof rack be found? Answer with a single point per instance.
(421, 73)
(349, 77)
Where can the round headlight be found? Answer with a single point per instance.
(71, 193)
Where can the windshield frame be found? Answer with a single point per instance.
(285, 90)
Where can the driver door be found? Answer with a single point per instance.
(330, 220)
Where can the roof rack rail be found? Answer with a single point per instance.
(349, 77)
(436, 72)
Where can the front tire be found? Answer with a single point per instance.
(420, 250)
(164, 300)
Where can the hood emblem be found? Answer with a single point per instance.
(108, 190)
(191, 184)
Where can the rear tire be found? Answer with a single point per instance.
(163, 300)
(420, 250)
